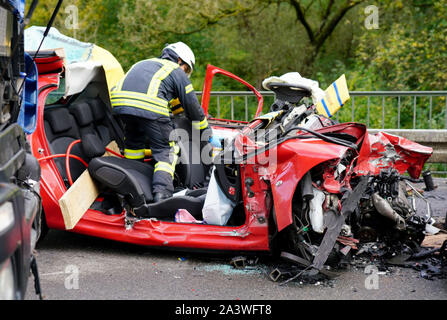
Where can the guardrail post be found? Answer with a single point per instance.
(414, 113)
(246, 108)
(352, 109)
(232, 107)
(429, 112)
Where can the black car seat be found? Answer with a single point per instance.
(92, 144)
(133, 181)
(129, 178)
(83, 115)
(61, 130)
(98, 108)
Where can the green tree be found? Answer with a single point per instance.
(159, 19)
(410, 51)
(258, 38)
(97, 20)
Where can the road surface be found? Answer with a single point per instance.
(74, 266)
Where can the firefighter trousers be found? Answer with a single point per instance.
(141, 134)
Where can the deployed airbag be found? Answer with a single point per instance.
(217, 208)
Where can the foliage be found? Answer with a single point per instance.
(259, 38)
(413, 53)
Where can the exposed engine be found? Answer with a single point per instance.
(337, 207)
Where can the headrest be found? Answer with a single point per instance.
(82, 113)
(98, 109)
(59, 120)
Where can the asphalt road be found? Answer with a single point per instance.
(73, 266)
(110, 270)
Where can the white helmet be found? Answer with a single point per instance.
(184, 52)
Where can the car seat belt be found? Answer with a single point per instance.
(119, 134)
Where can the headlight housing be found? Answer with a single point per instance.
(7, 283)
(6, 216)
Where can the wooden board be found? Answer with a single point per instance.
(434, 241)
(114, 147)
(78, 199)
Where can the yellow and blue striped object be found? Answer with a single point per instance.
(335, 97)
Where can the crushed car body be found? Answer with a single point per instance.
(290, 181)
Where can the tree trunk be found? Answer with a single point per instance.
(307, 69)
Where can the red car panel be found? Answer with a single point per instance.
(272, 188)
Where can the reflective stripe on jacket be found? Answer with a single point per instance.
(140, 88)
(148, 88)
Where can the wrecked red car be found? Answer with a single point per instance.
(290, 180)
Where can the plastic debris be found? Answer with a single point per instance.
(184, 216)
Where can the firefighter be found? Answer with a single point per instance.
(143, 99)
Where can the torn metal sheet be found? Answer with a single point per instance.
(305, 263)
(335, 223)
(384, 150)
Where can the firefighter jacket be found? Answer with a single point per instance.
(155, 87)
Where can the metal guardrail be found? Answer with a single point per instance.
(412, 96)
(420, 116)
(427, 109)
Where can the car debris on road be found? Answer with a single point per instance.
(410, 241)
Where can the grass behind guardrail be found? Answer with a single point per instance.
(383, 112)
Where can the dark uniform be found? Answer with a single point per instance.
(143, 99)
